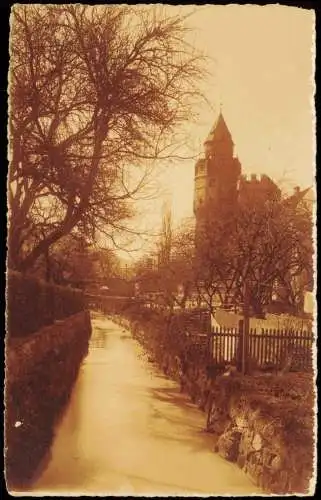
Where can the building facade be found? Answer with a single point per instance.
(218, 179)
(217, 173)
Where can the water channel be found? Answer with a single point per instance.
(129, 431)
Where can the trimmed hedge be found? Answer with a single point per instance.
(32, 304)
(40, 374)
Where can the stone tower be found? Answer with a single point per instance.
(216, 174)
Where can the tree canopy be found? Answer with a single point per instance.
(261, 249)
(96, 93)
(258, 250)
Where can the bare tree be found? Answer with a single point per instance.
(264, 242)
(175, 273)
(107, 264)
(214, 276)
(166, 237)
(96, 94)
(263, 247)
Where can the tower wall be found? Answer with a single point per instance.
(200, 185)
(216, 174)
(256, 187)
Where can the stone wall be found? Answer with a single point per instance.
(40, 373)
(265, 424)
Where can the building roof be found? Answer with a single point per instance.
(301, 195)
(219, 132)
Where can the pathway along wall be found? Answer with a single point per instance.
(40, 373)
(262, 422)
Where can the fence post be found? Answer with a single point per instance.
(246, 327)
(245, 338)
(210, 343)
(240, 347)
(242, 360)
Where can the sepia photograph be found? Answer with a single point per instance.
(161, 320)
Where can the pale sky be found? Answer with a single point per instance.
(262, 65)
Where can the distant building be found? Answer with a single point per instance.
(217, 173)
(218, 179)
(218, 182)
(303, 199)
(255, 187)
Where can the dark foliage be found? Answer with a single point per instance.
(32, 304)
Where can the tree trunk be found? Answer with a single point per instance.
(48, 266)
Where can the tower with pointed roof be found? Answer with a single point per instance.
(217, 173)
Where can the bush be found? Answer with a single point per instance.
(32, 304)
(40, 374)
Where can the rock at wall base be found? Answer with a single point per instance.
(228, 445)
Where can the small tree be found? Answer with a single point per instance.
(176, 274)
(106, 263)
(214, 275)
(166, 237)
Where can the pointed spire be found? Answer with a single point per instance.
(219, 132)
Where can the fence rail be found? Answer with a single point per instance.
(264, 348)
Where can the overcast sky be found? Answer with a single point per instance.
(262, 66)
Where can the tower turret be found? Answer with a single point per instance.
(217, 174)
(219, 140)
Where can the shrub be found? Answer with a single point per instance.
(32, 304)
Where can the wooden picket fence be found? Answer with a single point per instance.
(264, 348)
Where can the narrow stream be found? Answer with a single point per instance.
(129, 431)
